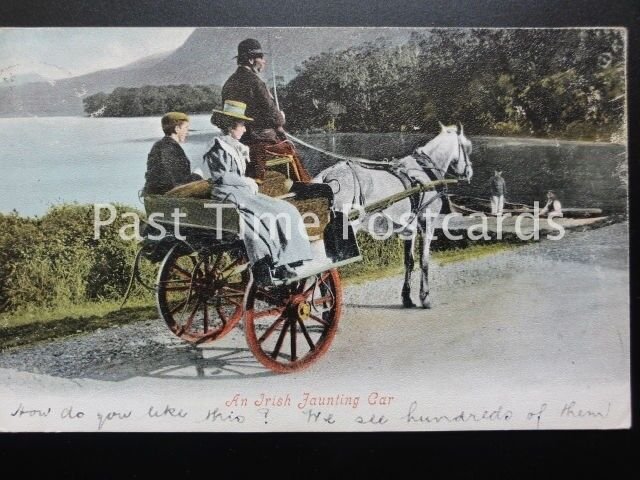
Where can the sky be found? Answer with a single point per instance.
(81, 50)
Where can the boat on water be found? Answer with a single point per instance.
(466, 205)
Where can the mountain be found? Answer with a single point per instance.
(21, 79)
(206, 57)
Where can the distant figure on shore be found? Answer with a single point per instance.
(553, 205)
(167, 164)
(498, 189)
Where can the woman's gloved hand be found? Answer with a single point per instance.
(252, 185)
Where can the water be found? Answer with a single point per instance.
(46, 161)
(583, 174)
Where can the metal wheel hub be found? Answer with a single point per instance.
(302, 310)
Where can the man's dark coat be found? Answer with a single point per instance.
(167, 167)
(245, 86)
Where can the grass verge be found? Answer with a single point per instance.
(29, 327)
(21, 330)
(476, 251)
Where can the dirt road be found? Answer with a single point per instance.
(542, 328)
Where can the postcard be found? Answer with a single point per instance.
(315, 229)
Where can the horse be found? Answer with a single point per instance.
(357, 183)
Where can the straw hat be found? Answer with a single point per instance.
(234, 109)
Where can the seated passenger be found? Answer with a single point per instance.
(167, 164)
(272, 229)
(553, 205)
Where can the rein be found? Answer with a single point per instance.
(424, 160)
(327, 153)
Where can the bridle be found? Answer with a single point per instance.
(427, 163)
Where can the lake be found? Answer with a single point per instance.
(50, 160)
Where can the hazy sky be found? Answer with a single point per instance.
(63, 52)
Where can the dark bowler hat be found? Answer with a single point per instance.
(250, 48)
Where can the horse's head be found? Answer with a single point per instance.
(449, 150)
(462, 164)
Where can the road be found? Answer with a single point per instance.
(534, 337)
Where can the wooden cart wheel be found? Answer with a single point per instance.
(290, 327)
(200, 293)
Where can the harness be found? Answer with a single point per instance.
(432, 171)
(394, 169)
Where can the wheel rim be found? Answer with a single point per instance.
(200, 294)
(290, 327)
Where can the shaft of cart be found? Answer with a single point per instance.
(390, 200)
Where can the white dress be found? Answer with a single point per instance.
(269, 227)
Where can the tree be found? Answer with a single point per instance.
(154, 100)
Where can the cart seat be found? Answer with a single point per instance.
(275, 184)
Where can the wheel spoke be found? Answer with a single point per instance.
(230, 296)
(221, 314)
(318, 319)
(177, 289)
(227, 269)
(304, 331)
(283, 332)
(234, 263)
(234, 302)
(271, 329)
(321, 300)
(231, 289)
(309, 290)
(261, 294)
(178, 307)
(182, 271)
(205, 319)
(292, 325)
(176, 281)
(216, 264)
(268, 313)
(189, 323)
(189, 281)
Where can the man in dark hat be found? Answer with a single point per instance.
(266, 131)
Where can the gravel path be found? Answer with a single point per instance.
(133, 350)
(541, 327)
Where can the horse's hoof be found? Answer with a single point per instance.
(408, 303)
(426, 303)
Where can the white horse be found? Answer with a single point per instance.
(357, 184)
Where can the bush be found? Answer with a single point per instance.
(55, 261)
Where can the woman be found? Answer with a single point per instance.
(553, 206)
(272, 229)
(167, 164)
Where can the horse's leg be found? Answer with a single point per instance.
(409, 262)
(427, 229)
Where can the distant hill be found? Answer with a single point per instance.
(206, 58)
(11, 80)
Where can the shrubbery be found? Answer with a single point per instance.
(54, 261)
